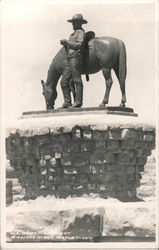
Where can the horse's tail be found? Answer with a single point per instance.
(87, 77)
(122, 61)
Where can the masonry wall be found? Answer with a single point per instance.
(104, 160)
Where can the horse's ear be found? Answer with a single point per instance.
(42, 83)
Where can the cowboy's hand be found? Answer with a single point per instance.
(64, 42)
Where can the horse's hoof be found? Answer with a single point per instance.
(50, 109)
(122, 105)
(102, 105)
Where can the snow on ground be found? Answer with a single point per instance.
(50, 215)
(42, 203)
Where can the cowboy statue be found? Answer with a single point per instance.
(84, 53)
(74, 57)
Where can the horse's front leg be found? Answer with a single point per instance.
(108, 82)
(49, 106)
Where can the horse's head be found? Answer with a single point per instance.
(49, 95)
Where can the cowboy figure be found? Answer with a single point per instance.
(74, 58)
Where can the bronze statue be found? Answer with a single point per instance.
(87, 56)
(74, 58)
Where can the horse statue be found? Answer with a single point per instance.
(101, 53)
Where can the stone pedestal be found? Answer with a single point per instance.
(73, 155)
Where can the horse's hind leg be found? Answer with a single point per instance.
(108, 83)
(121, 80)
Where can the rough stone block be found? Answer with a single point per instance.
(139, 144)
(40, 131)
(15, 181)
(18, 197)
(91, 187)
(149, 144)
(57, 148)
(109, 177)
(94, 169)
(76, 133)
(87, 134)
(81, 223)
(50, 178)
(141, 160)
(57, 156)
(76, 148)
(148, 128)
(84, 169)
(102, 187)
(36, 151)
(114, 134)
(141, 167)
(131, 134)
(137, 168)
(109, 167)
(112, 144)
(137, 179)
(139, 152)
(43, 139)
(63, 137)
(99, 157)
(78, 187)
(56, 130)
(10, 172)
(45, 150)
(66, 161)
(64, 188)
(100, 135)
(26, 133)
(128, 143)
(133, 160)
(18, 190)
(81, 160)
(130, 169)
(74, 179)
(146, 152)
(100, 145)
(70, 171)
(123, 158)
(66, 154)
(68, 147)
(9, 194)
(53, 162)
(149, 137)
(85, 147)
(83, 178)
(47, 157)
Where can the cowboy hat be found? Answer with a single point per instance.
(78, 17)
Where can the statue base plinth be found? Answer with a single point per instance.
(110, 110)
(78, 155)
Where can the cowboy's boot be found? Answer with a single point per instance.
(67, 97)
(79, 95)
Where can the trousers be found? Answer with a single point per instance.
(72, 71)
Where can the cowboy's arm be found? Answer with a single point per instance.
(77, 44)
(71, 44)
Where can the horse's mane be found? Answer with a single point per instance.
(59, 53)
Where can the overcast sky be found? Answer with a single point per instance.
(32, 34)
